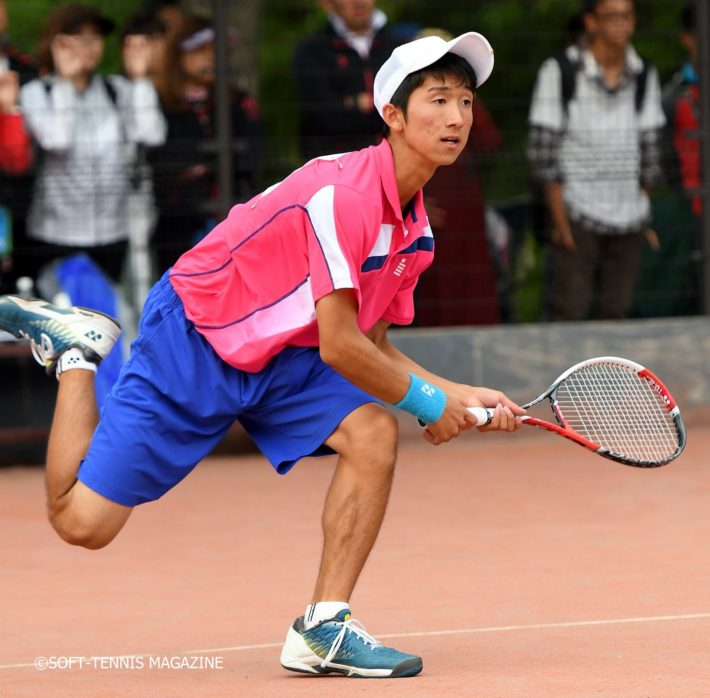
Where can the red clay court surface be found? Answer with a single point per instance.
(517, 565)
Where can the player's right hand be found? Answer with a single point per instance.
(457, 419)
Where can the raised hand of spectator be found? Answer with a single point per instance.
(137, 56)
(9, 91)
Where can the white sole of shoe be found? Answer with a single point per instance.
(296, 655)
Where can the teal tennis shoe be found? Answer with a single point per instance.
(52, 330)
(341, 645)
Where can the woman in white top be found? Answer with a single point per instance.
(87, 129)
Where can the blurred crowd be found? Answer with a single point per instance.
(105, 180)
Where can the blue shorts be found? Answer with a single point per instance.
(175, 399)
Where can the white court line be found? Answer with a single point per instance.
(435, 633)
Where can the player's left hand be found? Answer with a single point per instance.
(507, 412)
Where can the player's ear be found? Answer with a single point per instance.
(393, 117)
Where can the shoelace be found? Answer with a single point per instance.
(43, 352)
(353, 626)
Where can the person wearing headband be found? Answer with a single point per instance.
(279, 318)
(185, 170)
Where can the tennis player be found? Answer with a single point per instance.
(279, 318)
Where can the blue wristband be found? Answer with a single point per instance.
(423, 400)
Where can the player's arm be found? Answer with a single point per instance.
(360, 359)
(347, 350)
(470, 396)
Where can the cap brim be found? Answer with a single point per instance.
(476, 50)
(472, 47)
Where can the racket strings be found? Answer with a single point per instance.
(613, 407)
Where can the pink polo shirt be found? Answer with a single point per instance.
(250, 287)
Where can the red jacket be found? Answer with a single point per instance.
(15, 145)
(687, 143)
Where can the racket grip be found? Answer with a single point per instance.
(482, 414)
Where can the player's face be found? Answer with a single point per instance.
(439, 118)
(613, 21)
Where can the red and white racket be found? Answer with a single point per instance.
(614, 407)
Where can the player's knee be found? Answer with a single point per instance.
(375, 442)
(81, 533)
(86, 519)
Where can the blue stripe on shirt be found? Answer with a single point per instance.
(422, 244)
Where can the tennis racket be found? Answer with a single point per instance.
(614, 407)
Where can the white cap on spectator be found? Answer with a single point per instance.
(415, 55)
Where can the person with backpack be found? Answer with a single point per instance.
(86, 128)
(595, 122)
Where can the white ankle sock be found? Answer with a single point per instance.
(73, 358)
(323, 610)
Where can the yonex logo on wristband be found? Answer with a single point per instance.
(424, 400)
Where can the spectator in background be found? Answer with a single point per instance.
(186, 166)
(460, 287)
(168, 12)
(682, 156)
(595, 123)
(145, 28)
(140, 32)
(86, 128)
(15, 159)
(169, 16)
(682, 103)
(15, 145)
(16, 69)
(334, 71)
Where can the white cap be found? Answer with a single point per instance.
(415, 55)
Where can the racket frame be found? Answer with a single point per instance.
(485, 414)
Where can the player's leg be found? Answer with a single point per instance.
(301, 407)
(70, 343)
(79, 515)
(297, 407)
(366, 444)
(138, 450)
